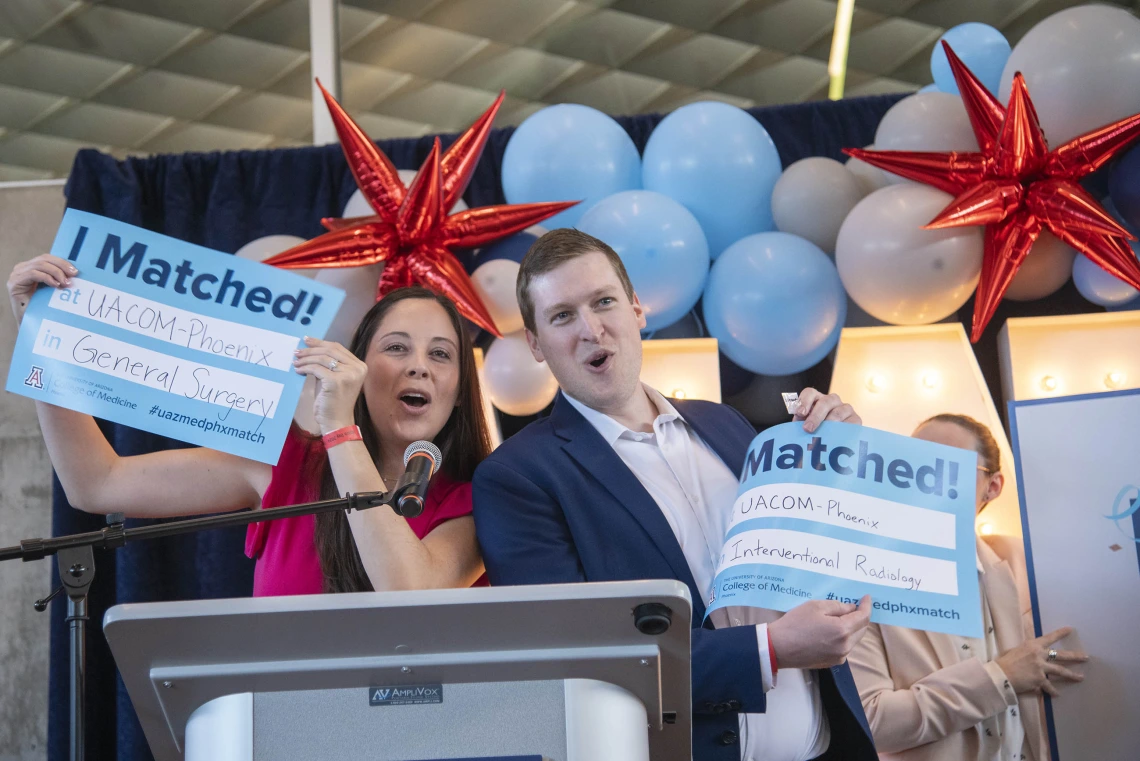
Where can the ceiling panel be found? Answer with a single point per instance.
(607, 38)
(698, 16)
(116, 34)
(513, 22)
(139, 76)
(23, 20)
(789, 25)
(788, 80)
(37, 151)
(103, 124)
(695, 60)
(206, 137)
(522, 72)
(268, 113)
(426, 51)
(20, 108)
(235, 60)
(883, 47)
(614, 92)
(286, 22)
(211, 14)
(164, 92)
(49, 70)
(423, 104)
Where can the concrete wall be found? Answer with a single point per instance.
(29, 216)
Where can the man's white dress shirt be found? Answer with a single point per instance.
(695, 491)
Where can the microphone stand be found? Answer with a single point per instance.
(76, 561)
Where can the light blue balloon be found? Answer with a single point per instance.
(775, 303)
(982, 48)
(569, 152)
(1100, 287)
(720, 163)
(662, 247)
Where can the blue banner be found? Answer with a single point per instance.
(170, 338)
(849, 511)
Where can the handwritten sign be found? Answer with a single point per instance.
(170, 337)
(850, 511)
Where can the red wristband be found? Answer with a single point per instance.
(772, 654)
(341, 435)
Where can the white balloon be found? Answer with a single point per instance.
(898, 272)
(358, 205)
(359, 286)
(925, 121)
(812, 197)
(1046, 268)
(1081, 66)
(495, 283)
(871, 177)
(517, 384)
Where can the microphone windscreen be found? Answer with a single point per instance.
(427, 447)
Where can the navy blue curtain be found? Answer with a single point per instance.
(224, 200)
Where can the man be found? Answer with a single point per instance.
(620, 484)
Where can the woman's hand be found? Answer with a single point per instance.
(1029, 669)
(340, 376)
(27, 276)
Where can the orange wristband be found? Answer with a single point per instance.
(341, 435)
(772, 656)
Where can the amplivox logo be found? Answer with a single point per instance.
(419, 694)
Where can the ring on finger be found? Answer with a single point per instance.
(333, 364)
(1052, 656)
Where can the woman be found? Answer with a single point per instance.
(408, 375)
(940, 697)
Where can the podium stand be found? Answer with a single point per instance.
(567, 672)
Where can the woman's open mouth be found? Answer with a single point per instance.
(415, 402)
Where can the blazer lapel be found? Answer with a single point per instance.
(597, 457)
(730, 446)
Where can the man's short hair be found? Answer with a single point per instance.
(554, 249)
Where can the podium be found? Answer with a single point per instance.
(566, 672)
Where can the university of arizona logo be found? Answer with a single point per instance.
(35, 378)
(1125, 507)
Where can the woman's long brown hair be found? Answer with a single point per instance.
(464, 442)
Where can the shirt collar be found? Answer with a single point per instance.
(610, 429)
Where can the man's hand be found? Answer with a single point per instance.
(819, 633)
(1028, 667)
(815, 407)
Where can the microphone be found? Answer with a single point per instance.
(421, 460)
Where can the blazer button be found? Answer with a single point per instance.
(729, 738)
(733, 705)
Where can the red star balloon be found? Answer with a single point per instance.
(1017, 187)
(411, 231)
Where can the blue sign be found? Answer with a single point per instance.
(170, 338)
(849, 511)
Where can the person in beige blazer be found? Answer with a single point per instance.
(940, 697)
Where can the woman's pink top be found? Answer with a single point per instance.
(286, 556)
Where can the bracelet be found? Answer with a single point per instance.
(341, 435)
(772, 654)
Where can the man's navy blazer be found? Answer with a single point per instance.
(555, 504)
